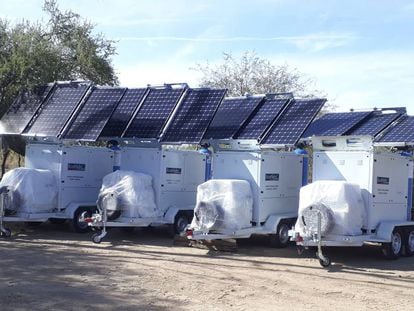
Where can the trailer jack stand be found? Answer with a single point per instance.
(4, 232)
(324, 261)
(98, 237)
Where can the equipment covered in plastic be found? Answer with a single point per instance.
(340, 205)
(31, 190)
(223, 205)
(129, 192)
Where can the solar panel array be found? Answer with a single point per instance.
(332, 124)
(193, 116)
(288, 129)
(401, 132)
(58, 108)
(232, 113)
(123, 112)
(262, 118)
(374, 124)
(154, 113)
(94, 114)
(18, 116)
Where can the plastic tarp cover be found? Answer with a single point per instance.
(223, 205)
(130, 192)
(31, 190)
(341, 206)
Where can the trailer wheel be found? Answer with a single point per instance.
(5, 232)
(325, 262)
(181, 221)
(409, 243)
(96, 239)
(393, 249)
(281, 238)
(78, 225)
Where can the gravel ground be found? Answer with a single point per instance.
(50, 268)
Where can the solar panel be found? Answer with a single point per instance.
(402, 132)
(288, 129)
(193, 116)
(375, 124)
(262, 118)
(94, 114)
(58, 108)
(19, 114)
(230, 116)
(154, 113)
(123, 112)
(332, 124)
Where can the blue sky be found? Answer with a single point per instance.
(360, 53)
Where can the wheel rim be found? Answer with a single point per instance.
(396, 243)
(411, 241)
(81, 223)
(181, 224)
(284, 234)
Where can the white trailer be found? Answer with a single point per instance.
(77, 172)
(385, 182)
(175, 177)
(275, 178)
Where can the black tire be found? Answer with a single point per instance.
(180, 222)
(393, 249)
(113, 215)
(77, 225)
(281, 238)
(57, 221)
(409, 243)
(325, 263)
(96, 239)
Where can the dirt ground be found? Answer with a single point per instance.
(50, 268)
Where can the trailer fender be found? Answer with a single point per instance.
(72, 207)
(173, 211)
(273, 221)
(386, 228)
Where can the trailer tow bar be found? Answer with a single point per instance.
(324, 261)
(5, 232)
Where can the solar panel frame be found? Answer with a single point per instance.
(231, 115)
(193, 116)
(262, 118)
(402, 132)
(92, 116)
(57, 110)
(288, 128)
(24, 107)
(123, 113)
(149, 120)
(374, 125)
(335, 124)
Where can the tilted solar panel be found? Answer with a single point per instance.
(123, 112)
(374, 124)
(19, 114)
(193, 116)
(290, 126)
(332, 124)
(403, 132)
(262, 118)
(58, 108)
(154, 113)
(230, 116)
(94, 114)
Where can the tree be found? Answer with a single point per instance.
(254, 75)
(64, 48)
